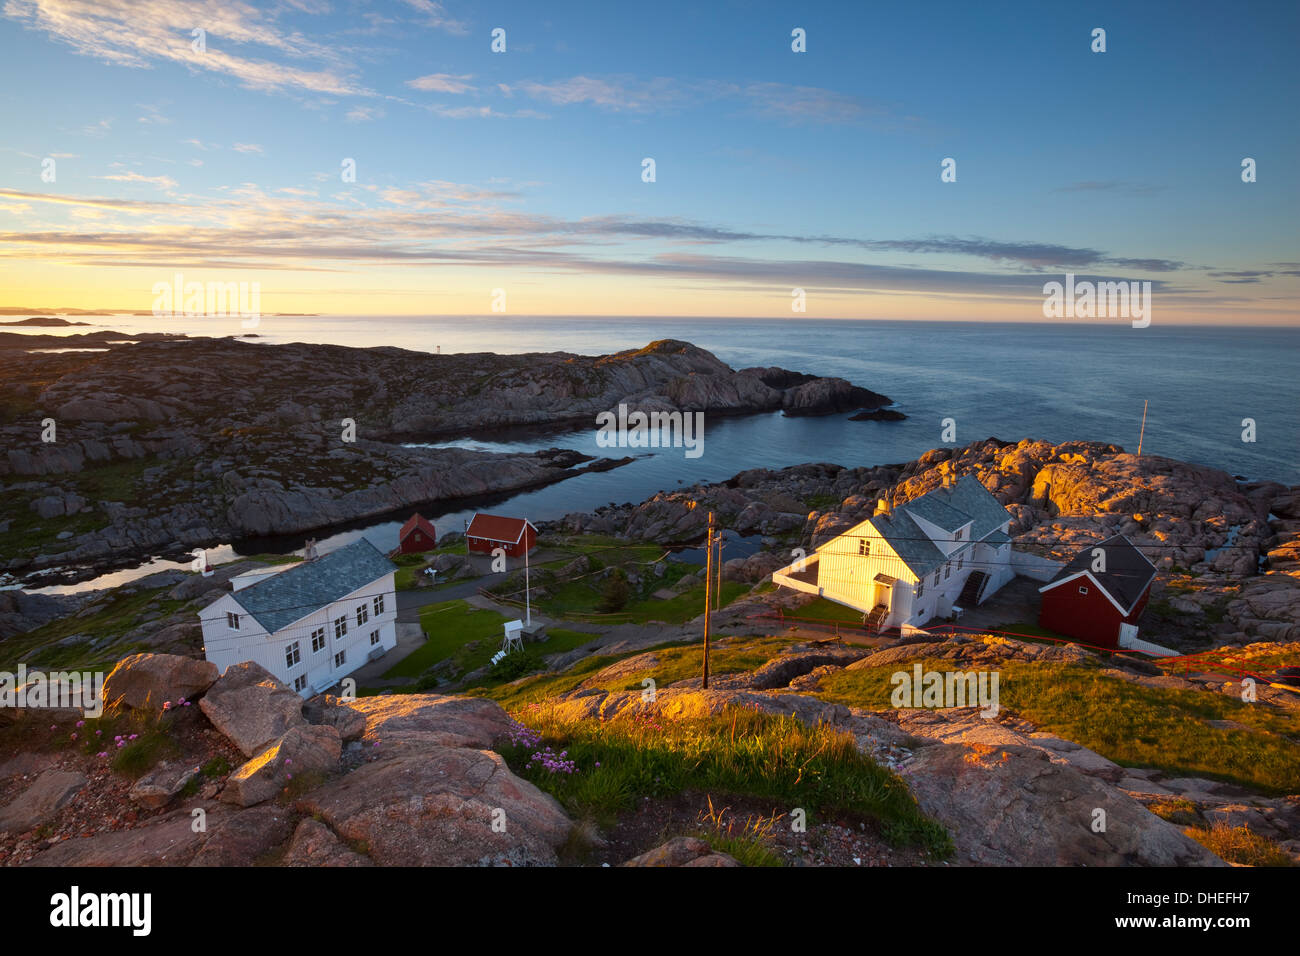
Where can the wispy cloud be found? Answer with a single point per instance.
(442, 83)
(140, 33)
(435, 15)
(161, 182)
(247, 148)
(364, 114)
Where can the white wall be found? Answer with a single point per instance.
(251, 642)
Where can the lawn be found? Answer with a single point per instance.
(450, 626)
(738, 752)
(820, 609)
(1131, 724)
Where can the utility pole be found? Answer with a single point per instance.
(708, 594)
(1142, 434)
(528, 604)
(717, 584)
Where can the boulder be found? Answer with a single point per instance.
(242, 838)
(1008, 805)
(150, 680)
(41, 800)
(328, 709)
(442, 806)
(251, 707)
(314, 844)
(306, 749)
(160, 786)
(168, 840)
(414, 721)
(682, 851)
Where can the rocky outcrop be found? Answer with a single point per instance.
(162, 784)
(442, 806)
(314, 844)
(682, 851)
(251, 707)
(413, 722)
(1013, 806)
(302, 751)
(148, 681)
(41, 799)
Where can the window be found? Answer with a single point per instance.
(864, 546)
(935, 582)
(957, 535)
(363, 614)
(374, 637)
(961, 559)
(318, 640)
(232, 621)
(299, 683)
(379, 605)
(340, 627)
(947, 570)
(1083, 590)
(920, 588)
(291, 655)
(340, 658)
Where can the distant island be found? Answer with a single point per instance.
(44, 322)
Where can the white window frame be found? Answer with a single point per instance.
(340, 658)
(374, 637)
(379, 604)
(318, 636)
(864, 548)
(363, 614)
(300, 683)
(232, 620)
(340, 627)
(292, 655)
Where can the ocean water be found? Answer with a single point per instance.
(1011, 381)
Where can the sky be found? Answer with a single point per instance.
(134, 149)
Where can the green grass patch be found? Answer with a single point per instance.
(450, 626)
(1129, 723)
(737, 752)
(820, 609)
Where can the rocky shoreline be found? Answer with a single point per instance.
(167, 444)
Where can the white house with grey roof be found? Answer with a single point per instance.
(914, 561)
(310, 624)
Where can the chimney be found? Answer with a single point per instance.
(309, 552)
(882, 507)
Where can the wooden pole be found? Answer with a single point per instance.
(708, 594)
(717, 584)
(1143, 433)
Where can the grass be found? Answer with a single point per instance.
(737, 752)
(450, 626)
(820, 609)
(1129, 723)
(120, 614)
(1239, 845)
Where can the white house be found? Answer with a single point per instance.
(913, 561)
(310, 624)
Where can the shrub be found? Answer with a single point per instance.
(616, 592)
(515, 665)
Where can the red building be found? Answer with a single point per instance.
(488, 532)
(1104, 587)
(416, 535)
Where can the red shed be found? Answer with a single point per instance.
(416, 535)
(488, 532)
(1092, 604)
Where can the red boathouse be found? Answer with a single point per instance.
(1105, 587)
(416, 535)
(488, 532)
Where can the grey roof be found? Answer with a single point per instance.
(912, 544)
(970, 497)
(966, 502)
(1127, 574)
(292, 594)
(937, 512)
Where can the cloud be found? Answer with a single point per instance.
(247, 148)
(436, 16)
(140, 33)
(364, 114)
(617, 94)
(162, 182)
(442, 83)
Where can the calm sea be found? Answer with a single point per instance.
(1011, 381)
